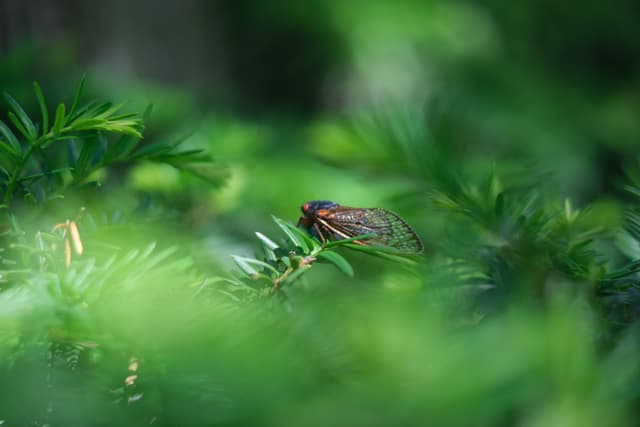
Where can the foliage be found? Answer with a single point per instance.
(35, 168)
(517, 168)
(132, 325)
(50, 160)
(284, 265)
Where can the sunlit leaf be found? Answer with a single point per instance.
(250, 265)
(267, 241)
(295, 235)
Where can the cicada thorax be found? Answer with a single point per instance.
(329, 220)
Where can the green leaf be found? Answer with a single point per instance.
(7, 175)
(268, 246)
(633, 190)
(101, 117)
(267, 241)
(295, 235)
(29, 128)
(10, 137)
(43, 108)
(146, 115)
(61, 137)
(86, 123)
(58, 122)
(103, 125)
(342, 242)
(293, 276)
(16, 122)
(90, 147)
(119, 150)
(102, 110)
(150, 151)
(214, 174)
(180, 158)
(247, 265)
(166, 151)
(632, 224)
(337, 260)
(82, 111)
(76, 98)
(41, 174)
(386, 253)
(372, 249)
(11, 155)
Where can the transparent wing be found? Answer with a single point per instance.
(387, 228)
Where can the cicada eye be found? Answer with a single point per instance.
(305, 208)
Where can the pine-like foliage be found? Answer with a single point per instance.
(521, 311)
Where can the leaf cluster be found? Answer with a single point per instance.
(510, 241)
(285, 264)
(40, 160)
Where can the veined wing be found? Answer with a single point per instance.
(386, 227)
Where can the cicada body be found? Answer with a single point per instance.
(329, 220)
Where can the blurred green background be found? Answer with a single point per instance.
(506, 133)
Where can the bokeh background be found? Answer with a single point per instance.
(369, 104)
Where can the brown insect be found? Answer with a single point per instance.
(328, 220)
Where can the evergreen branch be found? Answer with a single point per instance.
(88, 126)
(284, 264)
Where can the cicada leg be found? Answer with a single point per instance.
(318, 230)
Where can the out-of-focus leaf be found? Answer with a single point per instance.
(90, 149)
(248, 265)
(43, 108)
(341, 242)
(16, 122)
(9, 157)
(385, 252)
(120, 149)
(21, 119)
(76, 98)
(59, 119)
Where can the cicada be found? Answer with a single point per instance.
(328, 220)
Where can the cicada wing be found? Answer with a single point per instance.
(385, 227)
